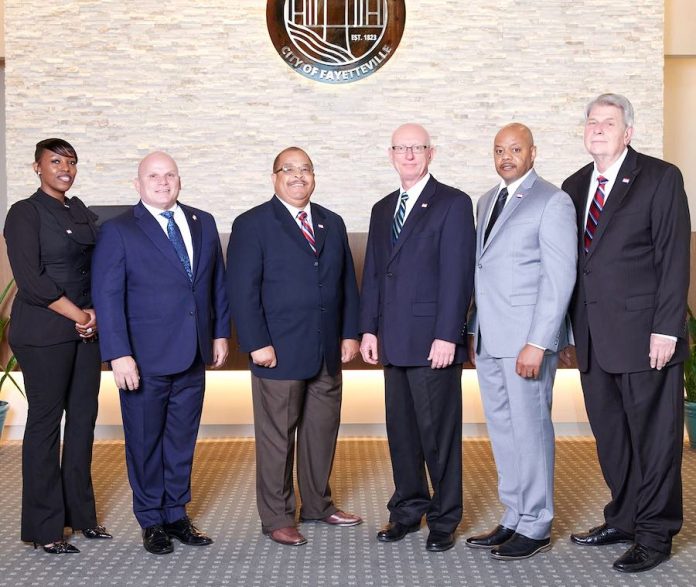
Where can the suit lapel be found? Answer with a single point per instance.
(289, 225)
(628, 171)
(487, 201)
(418, 212)
(319, 226)
(196, 237)
(514, 200)
(154, 232)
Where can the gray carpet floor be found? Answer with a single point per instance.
(224, 506)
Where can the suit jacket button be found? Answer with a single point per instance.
(390, 274)
(191, 313)
(586, 272)
(316, 263)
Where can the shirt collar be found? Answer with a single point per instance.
(157, 212)
(512, 187)
(416, 189)
(294, 211)
(612, 171)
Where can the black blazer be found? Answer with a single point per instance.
(419, 289)
(282, 294)
(634, 280)
(49, 246)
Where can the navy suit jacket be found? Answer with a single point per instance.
(634, 279)
(282, 294)
(145, 303)
(419, 289)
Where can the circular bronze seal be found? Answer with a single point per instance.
(336, 41)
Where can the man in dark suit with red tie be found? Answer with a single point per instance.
(294, 301)
(417, 283)
(628, 315)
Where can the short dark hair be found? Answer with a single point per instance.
(57, 146)
(279, 155)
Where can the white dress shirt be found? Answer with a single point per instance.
(181, 222)
(295, 211)
(511, 188)
(413, 194)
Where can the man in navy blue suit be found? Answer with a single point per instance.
(294, 301)
(159, 289)
(417, 283)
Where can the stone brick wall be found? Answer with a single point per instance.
(203, 81)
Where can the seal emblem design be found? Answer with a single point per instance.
(336, 41)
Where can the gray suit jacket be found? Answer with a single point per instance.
(525, 272)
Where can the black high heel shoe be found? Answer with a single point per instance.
(58, 547)
(96, 532)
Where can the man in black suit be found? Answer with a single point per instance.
(628, 313)
(417, 283)
(294, 300)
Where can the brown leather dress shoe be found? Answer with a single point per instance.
(287, 536)
(341, 518)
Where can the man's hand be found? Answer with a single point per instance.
(349, 348)
(441, 354)
(125, 373)
(567, 356)
(661, 351)
(264, 357)
(471, 346)
(529, 361)
(220, 351)
(368, 349)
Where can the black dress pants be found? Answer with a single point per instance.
(57, 491)
(638, 422)
(424, 427)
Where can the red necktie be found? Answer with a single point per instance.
(307, 230)
(594, 212)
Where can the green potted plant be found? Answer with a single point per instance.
(6, 366)
(690, 382)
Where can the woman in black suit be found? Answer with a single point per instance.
(50, 239)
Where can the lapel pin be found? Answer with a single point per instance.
(194, 217)
(520, 195)
(626, 180)
(424, 205)
(68, 231)
(320, 225)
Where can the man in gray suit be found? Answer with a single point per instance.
(526, 251)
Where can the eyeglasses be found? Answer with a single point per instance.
(415, 149)
(290, 170)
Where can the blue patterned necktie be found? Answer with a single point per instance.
(177, 241)
(399, 218)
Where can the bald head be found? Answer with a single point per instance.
(513, 151)
(410, 165)
(158, 181)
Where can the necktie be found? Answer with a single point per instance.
(594, 212)
(177, 241)
(307, 230)
(399, 218)
(497, 211)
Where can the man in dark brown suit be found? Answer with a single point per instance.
(628, 313)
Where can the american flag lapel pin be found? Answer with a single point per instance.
(320, 225)
(626, 180)
(424, 205)
(68, 231)
(194, 217)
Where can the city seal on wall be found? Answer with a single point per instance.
(336, 41)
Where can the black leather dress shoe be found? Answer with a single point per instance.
(439, 541)
(156, 541)
(519, 547)
(58, 547)
(96, 532)
(393, 531)
(186, 533)
(601, 535)
(495, 537)
(639, 558)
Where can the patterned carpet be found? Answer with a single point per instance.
(224, 506)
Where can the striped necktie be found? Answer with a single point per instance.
(399, 218)
(307, 230)
(594, 212)
(177, 241)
